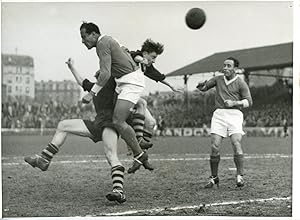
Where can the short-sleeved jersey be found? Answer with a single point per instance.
(105, 99)
(149, 71)
(113, 58)
(235, 89)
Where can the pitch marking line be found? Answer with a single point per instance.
(152, 155)
(263, 156)
(196, 206)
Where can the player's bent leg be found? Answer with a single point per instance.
(150, 121)
(214, 160)
(238, 158)
(69, 126)
(121, 113)
(141, 106)
(138, 123)
(74, 126)
(150, 124)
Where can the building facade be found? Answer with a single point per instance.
(66, 91)
(17, 76)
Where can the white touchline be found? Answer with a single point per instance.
(196, 206)
(255, 156)
(152, 155)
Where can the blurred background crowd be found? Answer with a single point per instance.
(272, 106)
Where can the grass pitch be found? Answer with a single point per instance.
(79, 178)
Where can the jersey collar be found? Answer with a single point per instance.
(101, 36)
(227, 82)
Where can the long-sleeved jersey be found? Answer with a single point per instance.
(235, 89)
(149, 71)
(114, 60)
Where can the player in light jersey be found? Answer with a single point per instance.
(116, 62)
(142, 120)
(232, 94)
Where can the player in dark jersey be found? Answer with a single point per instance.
(100, 129)
(232, 94)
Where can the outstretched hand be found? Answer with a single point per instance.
(70, 63)
(201, 85)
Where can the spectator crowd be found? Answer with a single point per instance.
(271, 106)
(38, 115)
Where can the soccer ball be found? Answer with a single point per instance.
(195, 18)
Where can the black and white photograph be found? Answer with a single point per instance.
(149, 108)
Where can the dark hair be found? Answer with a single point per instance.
(90, 27)
(236, 63)
(151, 46)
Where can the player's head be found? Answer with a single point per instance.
(151, 50)
(230, 66)
(89, 33)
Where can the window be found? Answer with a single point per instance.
(27, 89)
(27, 80)
(17, 78)
(16, 88)
(9, 89)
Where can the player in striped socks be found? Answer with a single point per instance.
(137, 121)
(117, 175)
(101, 129)
(146, 58)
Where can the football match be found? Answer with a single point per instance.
(155, 109)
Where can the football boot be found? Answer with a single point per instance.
(116, 195)
(240, 181)
(38, 161)
(140, 160)
(145, 145)
(213, 180)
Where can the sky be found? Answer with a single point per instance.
(49, 32)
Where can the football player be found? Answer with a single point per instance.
(232, 95)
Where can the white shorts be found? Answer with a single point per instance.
(226, 122)
(130, 86)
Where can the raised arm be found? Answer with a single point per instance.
(206, 85)
(70, 63)
(179, 90)
(152, 73)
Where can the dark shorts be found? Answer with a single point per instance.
(96, 127)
